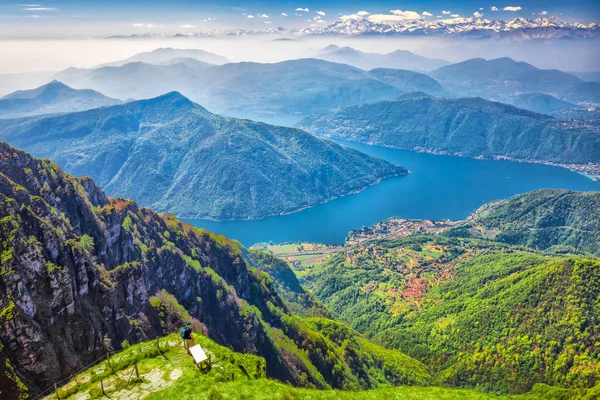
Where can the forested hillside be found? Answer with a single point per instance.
(470, 127)
(173, 155)
(557, 219)
(480, 314)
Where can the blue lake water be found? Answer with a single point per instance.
(438, 187)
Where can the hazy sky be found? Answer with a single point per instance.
(81, 18)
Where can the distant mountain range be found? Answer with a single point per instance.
(542, 103)
(165, 55)
(516, 29)
(399, 59)
(504, 78)
(171, 154)
(282, 93)
(54, 97)
(468, 126)
(546, 104)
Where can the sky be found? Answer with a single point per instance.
(84, 18)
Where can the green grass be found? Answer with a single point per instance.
(161, 369)
(173, 375)
(265, 389)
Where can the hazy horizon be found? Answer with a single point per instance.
(24, 55)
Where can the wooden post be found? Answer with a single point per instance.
(108, 361)
(159, 350)
(137, 373)
(102, 386)
(233, 376)
(56, 391)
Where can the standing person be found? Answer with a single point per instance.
(186, 335)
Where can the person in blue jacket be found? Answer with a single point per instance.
(186, 335)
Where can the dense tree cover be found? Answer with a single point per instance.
(508, 322)
(299, 300)
(480, 315)
(540, 219)
(370, 285)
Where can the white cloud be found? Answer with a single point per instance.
(480, 8)
(321, 13)
(512, 8)
(140, 25)
(39, 9)
(426, 14)
(395, 16)
(267, 22)
(477, 14)
(188, 26)
(250, 16)
(321, 22)
(543, 12)
(263, 16)
(455, 15)
(302, 9)
(439, 16)
(284, 15)
(362, 13)
(446, 12)
(406, 14)
(494, 8)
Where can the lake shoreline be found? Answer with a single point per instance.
(590, 170)
(353, 192)
(439, 187)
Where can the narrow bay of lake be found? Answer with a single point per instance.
(438, 187)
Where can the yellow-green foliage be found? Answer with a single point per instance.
(127, 223)
(195, 264)
(220, 240)
(85, 243)
(8, 311)
(171, 313)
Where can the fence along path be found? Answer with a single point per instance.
(113, 362)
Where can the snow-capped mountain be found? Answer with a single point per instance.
(518, 29)
(551, 27)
